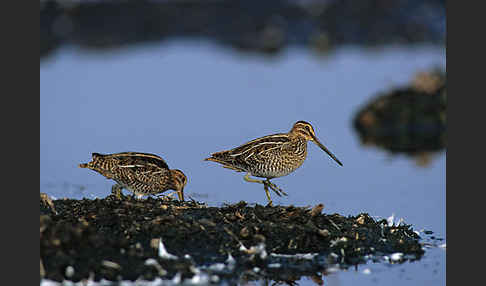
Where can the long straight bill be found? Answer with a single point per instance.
(326, 150)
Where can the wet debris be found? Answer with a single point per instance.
(316, 210)
(408, 120)
(132, 240)
(163, 252)
(42, 269)
(46, 204)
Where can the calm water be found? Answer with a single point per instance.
(184, 100)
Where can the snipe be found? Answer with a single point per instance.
(140, 173)
(271, 156)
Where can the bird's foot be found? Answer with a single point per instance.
(166, 197)
(116, 191)
(276, 189)
(265, 187)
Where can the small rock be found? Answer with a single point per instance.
(316, 210)
(323, 232)
(244, 232)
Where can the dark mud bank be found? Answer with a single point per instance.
(119, 239)
(409, 120)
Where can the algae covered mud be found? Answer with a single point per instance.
(166, 240)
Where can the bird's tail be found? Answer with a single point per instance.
(220, 158)
(214, 160)
(91, 164)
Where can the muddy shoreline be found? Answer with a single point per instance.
(120, 239)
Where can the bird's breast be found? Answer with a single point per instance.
(281, 162)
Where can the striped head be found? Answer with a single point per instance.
(305, 130)
(179, 181)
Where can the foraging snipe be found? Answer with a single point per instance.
(271, 156)
(140, 173)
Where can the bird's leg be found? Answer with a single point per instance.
(116, 190)
(136, 196)
(270, 203)
(248, 179)
(276, 189)
(180, 195)
(265, 186)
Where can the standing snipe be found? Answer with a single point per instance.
(140, 173)
(271, 156)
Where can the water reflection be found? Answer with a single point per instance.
(278, 277)
(246, 25)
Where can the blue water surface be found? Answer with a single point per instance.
(186, 99)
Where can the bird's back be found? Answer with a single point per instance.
(142, 172)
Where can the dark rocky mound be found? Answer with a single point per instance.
(408, 120)
(112, 239)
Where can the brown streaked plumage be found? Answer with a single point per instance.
(271, 156)
(140, 173)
